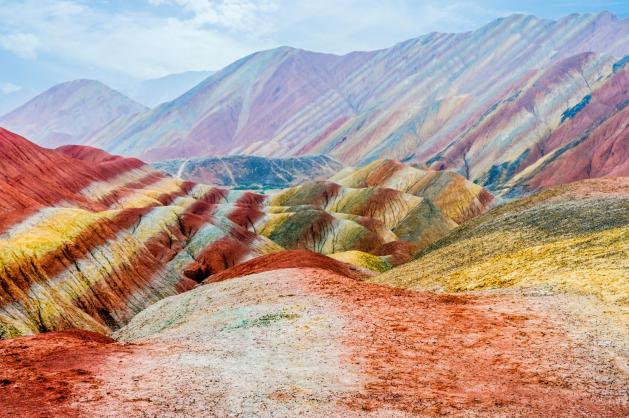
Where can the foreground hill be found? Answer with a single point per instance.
(313, 342)
(89, 239)
(68, 112)
(490, 103)
(250, 172)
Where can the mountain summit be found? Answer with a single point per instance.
(68, 112)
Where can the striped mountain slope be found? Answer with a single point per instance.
(571, 239)
(385, 208)
(517, 92)
(89, 243)
(88, 239)
(457, 197)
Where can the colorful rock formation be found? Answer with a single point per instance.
(567, 240)
(90, 239)
(87, 243)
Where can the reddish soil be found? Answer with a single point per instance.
(417, 353)
(462, 355)
(288, 259)
(42, 375)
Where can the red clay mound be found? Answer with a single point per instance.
(86, 153)
(288, 259)
(41, 376)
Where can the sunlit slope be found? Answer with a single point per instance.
(572, 238)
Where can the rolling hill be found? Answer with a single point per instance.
(89, 239)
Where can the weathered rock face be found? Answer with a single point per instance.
(250, 172)
(89, 239)
(593, 140)
(483, 103)
(67, 113)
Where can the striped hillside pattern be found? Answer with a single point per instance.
(87, 239)
(499, 105)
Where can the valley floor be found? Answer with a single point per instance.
(311, 342)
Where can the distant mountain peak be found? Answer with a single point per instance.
(68, 112)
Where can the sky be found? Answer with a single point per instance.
(44, 42)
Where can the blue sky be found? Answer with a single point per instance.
(43, 42)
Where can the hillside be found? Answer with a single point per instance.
(567, 240)
(89, 243)
(89, 239)
(313, 342)
(67, 113)
(490, 103)
(250, 172)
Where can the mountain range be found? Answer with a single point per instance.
(519, 103)
(427, 100)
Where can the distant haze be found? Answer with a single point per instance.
(164, 89)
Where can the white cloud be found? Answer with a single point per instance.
(240, 15)
(8, 88)
(24, 45)
(135, 43)
(151, 38)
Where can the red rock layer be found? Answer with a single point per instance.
(104, 274)
(603, 152)
(288, 259)
(442, 355)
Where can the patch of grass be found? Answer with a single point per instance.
(265, 320)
